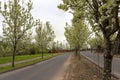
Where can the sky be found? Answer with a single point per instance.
(46, 10)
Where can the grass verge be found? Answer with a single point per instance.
(24, 64)
(4, 60)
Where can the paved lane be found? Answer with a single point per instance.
(98, 59)
(42, 71)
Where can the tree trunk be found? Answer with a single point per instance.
(79, 54)
(42, 55)
(107, 67)
(107, 60)
(13, 56)
(76, 51)
(14, 36)
(42, 52)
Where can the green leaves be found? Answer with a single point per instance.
(63, 7)
(77, 34)
(16, 16)
(17, 21)
(44, 35)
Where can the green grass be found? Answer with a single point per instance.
(4, 60)
(7, 68)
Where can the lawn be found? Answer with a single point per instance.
(4, 60)
(25, 57)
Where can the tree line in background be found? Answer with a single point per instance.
(18, 28)
(104, 18)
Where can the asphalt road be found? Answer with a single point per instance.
(98, 59)
(45, 70)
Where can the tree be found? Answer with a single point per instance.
(44, 36)
(50, 35)
(103, 15)
(96, 43)
(39, 36)
(25, 45)
(17, 20)
(77, 35)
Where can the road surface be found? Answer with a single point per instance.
(45, 70)
(98, 59)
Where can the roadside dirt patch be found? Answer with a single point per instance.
(83, 69)
(80, 70)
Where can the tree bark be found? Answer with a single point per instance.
(107, 60)
(110, 50)
(76, 51)
(107, 67)
(42, 52)
(13, 57)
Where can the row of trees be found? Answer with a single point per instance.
(96, 42)
(103, 16)
(18, 25)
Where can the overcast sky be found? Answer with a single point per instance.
(46, 10)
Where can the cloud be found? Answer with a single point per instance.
(46, 10)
